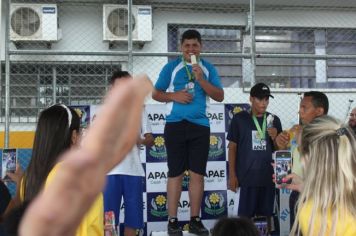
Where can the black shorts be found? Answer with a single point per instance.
(256, 201)
(187, 147)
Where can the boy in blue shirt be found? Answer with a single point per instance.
(185, 85)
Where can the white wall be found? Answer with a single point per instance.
(82, 28)
(311, 18)
(82, 31)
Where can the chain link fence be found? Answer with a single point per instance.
(65, 51)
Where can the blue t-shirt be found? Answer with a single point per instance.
(173, 78)
(253, 159)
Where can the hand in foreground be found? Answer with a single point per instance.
(297, 182)
(148, 140)
(282, 140)
(17, 175)
(296, 185)
(81, 176)
(198, 72)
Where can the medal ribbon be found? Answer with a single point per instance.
(190, 75)
(261, 132)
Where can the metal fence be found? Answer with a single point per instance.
(64, 51)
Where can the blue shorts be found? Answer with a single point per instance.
(131, 189)
(256, 201)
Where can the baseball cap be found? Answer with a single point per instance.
(260, 90)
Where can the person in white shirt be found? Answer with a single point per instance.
(126, 179)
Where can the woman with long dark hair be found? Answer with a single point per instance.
(57, 131)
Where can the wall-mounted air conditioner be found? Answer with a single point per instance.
(33, 22)
(115, 23)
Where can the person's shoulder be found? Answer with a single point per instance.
(274, 115)
(171, 65)
(242, 115)
(52, 173)
(175, 62)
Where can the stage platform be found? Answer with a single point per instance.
(164, 233)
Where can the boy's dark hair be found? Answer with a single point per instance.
(118, 74)
(235, 227)
(191, 34)
(319, 99)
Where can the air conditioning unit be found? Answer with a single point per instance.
(115, 23)
(33, 22)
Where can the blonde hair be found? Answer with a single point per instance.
(328, 151)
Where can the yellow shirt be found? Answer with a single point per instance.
(293, 147)
(297, 165)
(346, 225)
(93, 222)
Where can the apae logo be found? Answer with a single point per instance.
(231, 203)
(185, 182)
(232, 109)
(158, 150)
(216, 148)
(157, 177)
(159, 206)
(156, 117)
(122, 207)
(235, 110)
(215, 174)
(183, 207)
(215, 204)
(186, 227)
(183, 204)
(257, 142)
(216, 116)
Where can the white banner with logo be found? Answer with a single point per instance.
(217, 200)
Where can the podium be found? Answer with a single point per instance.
(164, 233)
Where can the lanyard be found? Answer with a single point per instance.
(261, 132)
(190, 75)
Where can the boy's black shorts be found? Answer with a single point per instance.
(187, 147)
